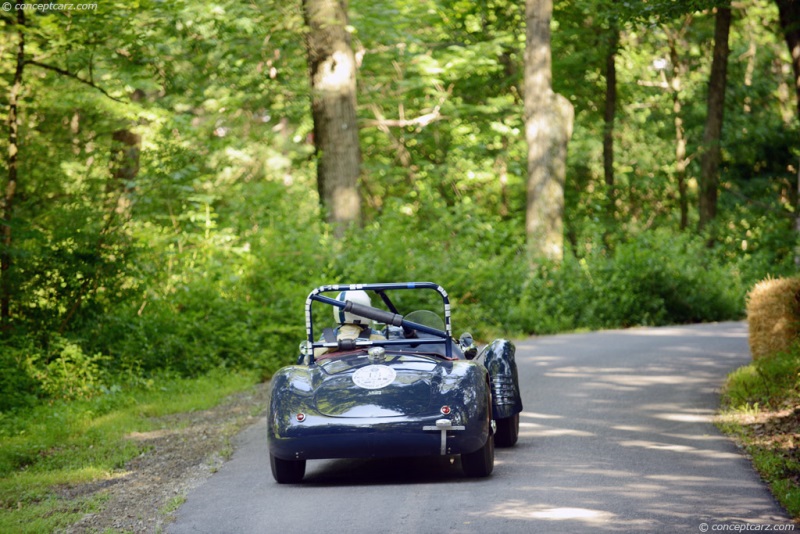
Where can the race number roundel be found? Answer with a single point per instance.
(374, 376)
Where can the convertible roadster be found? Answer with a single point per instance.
(382, 384)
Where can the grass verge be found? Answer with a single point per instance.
(67, 444)
(761, 411)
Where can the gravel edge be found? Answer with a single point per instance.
(187, 449)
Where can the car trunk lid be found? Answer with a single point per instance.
(361, 389)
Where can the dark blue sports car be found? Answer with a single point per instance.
(382, 384)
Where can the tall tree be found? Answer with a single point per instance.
(674, 85)
(789, 13)
(711, 155)
(548, 127)
(11, 186)
(609, 115)
(332, 70)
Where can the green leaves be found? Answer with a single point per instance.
(222, 239)
(648, 10)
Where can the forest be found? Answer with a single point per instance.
(165, 213)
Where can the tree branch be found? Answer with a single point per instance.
(74, 77)
(383, 124)
(419, 122)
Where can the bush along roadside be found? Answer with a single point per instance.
(59, 462)
(761, 411)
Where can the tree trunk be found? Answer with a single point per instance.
(548, 127)
(797, 223)
(125, 149)
(11, 186)
(681, 161)
(609, 115)
(332, 70)
(789, 14)
(711, 155)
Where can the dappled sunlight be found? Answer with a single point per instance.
(679, 414)
(583, 372)
(533, 415)
(695, 331)
(686, 418)
(696, 437)
(647, 380)
(109, 420)
(541, 431)
(146, 436)
(70, 480)
(683, 449)
(624, 379)
(540, 361)
(669, 407)
(536, 430)
(582, 514)
(683, 479)
(523, 510)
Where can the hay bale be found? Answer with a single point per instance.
(773, 314)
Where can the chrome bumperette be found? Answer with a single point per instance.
(444, 426)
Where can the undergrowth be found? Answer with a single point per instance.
(64, 444)
(761, 410)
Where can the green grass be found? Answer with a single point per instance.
(173, 504)
(761, 410)
(64, 444)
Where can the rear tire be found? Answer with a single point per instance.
(481, 462)
(507, 431)
(287, 471)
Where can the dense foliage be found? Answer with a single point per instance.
(203, 258)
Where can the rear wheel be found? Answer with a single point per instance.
(481, 462)
(507, 431)
(287, 471)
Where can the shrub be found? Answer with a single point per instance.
(656, 279)
(66, 372)
(661, 278)
(767, 382)
(17, 387)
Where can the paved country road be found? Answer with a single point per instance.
(616, 436)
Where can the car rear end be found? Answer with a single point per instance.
(351, 407)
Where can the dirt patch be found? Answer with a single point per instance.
(776, 429)
(190, 448)
(771, 438)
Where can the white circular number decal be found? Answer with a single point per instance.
(374, 376)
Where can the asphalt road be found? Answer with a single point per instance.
(616, 436)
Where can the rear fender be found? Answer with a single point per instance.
(498, 358)
(465, 389)
(291, 392)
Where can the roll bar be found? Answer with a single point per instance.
(381, 316)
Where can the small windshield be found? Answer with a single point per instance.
(426, 318)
